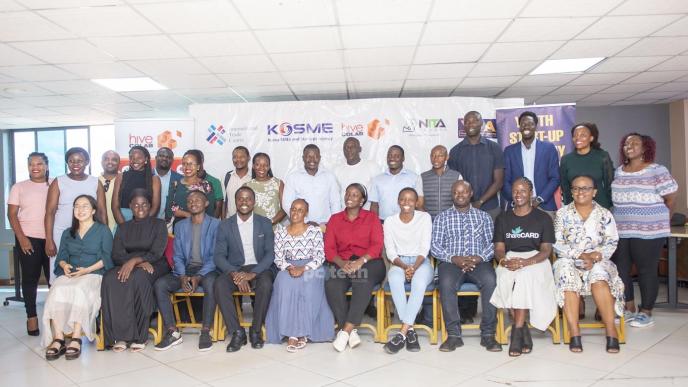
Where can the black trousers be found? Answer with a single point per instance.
(31, 267)
(644, 253)
(361, 284)
(261, 285)
(171, 283)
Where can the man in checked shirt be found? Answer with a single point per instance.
(462, 242)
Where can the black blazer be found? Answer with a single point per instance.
(229, 251)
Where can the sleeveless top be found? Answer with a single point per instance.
(131, 180)
(69, 190)
(267, 196)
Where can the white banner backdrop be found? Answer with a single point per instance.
(282, 129)
(177, 135)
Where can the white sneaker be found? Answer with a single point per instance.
(340, 341)
(354, 339)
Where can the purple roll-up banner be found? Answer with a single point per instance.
(554, 125)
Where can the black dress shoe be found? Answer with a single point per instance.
(238, 340)
(256, 339)
(451, 344)
(490, 344)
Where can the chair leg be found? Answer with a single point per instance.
(556, 326)
(380, 323)
(100, 342)
(433, 337)
(443, 327)
(501, 334)
(565, 327)
(621, 330)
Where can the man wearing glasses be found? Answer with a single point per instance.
(110, 164)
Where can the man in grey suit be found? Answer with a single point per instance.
(244, 254)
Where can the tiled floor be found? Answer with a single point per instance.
(655, 356)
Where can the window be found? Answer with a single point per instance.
(54, 142)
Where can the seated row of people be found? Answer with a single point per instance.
(300, 277)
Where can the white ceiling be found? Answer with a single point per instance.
(274, 50)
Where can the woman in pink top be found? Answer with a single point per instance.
(26, 210)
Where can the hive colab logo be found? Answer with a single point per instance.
(216, 134)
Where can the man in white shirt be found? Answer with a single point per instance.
(317, 186)
(236, 178)
(355, 170)
(244, 255)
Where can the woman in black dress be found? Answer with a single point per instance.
(127, 295)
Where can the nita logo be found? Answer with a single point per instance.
(428, 123)
(217, 135)
(286, 129)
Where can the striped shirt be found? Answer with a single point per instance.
(639, 207)
(462, 234)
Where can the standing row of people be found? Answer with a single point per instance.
(478, 161)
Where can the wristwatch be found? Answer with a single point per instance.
(539, 200)
(364, 260)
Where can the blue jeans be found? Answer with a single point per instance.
(407, 309)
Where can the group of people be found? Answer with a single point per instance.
(479, 215)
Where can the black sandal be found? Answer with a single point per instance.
(516, 342)
(72, 353)
(53, 353)
(576, 345)
(613, 345)
(527, 340)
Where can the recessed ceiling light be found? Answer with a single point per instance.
(129, 84)
(15, 90)
(559, 66)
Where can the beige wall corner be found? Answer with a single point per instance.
(678, 131)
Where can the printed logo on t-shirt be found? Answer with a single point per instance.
(517, 233)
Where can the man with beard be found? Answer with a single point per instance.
(355, 170)
(163, 165)
(536, 160)
(244, 255)
(110, 164)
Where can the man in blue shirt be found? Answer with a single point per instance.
(462, 242)
(194, 246)
(480, 161)
(536, 160)
(314, 184)
(385, 188)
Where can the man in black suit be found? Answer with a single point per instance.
(244, 254)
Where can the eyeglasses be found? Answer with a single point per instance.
(106, 186)
(581, 189)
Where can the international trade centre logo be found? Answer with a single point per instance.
(216, 135)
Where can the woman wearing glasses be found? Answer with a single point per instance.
(74, 299)
(175, 209)
(61, 194)
(586, 238)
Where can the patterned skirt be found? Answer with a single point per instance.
(569, 278)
